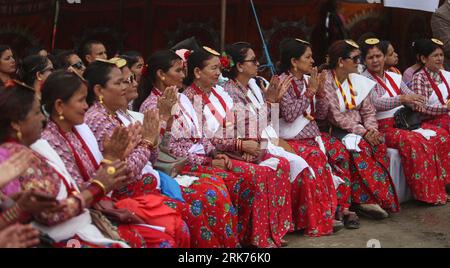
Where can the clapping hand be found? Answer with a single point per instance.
(167, 102)
(277, 88)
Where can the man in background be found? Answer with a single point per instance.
(440, 24)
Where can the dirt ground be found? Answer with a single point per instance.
(416, 226)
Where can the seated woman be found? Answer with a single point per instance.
(35, 70)
(260, 192)
(433, 82)
(424, 170)
(353, 120)
(391, 57)
(307, 186)
(408, 74)
(68, 59)
(222, 217)
(106, 83)
(299, 108)
(63, 215)
(135, 62)
(64, 98)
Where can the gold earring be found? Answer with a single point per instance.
(341, 65)
(61, 117)
(100, 99)
(164, 79)
(19, 135)
(295, 69)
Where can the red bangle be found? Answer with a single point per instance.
(15, 214)
(80, 200)
(96, 191)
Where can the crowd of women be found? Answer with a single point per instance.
(193, 149)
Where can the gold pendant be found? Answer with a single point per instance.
(310, 117)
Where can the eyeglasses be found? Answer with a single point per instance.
(79, 65)
(241, 43)
(255, 61)
(48, 69)
(355, 59)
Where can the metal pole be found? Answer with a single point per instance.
(223, 25)
(266, 49)
(55, 24)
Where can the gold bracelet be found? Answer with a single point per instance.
(149, 144)
(101, 185)
(106, 162)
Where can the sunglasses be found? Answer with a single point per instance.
(130, 79)
(79, 65)
(355, 59)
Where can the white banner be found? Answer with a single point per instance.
(425, 5)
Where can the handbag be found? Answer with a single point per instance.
(170, 164)
(338, 133)
(406, 118)
(167, 162)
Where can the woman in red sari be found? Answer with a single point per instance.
(64, 99)
(420, 152)
(299, 108)
(353, 120)
(66, 216)
(205, 202)
(313, 196)
(260, 192)
(433, 82)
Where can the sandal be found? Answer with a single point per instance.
(351, 221)
(284, 243)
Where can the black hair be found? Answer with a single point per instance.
(62, 59)
(97, 73)
(384, 46)
(130, 61)
(32, 65)
(425, 48)
(190, 44)
(16, 103)
(417, 48)
(34, 50)
(364, 47)
(339, 49)
(197, 59)
(290, 49)
(237, 52)
(160, 60)
(3, 48)
(61, 85)
(366, 36)
(86, 48)
(132, 57)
